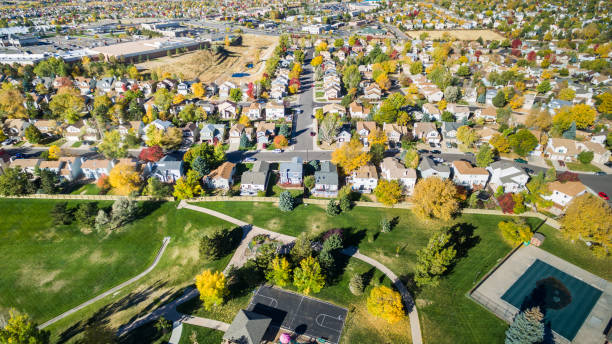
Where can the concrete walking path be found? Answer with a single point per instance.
(112, 290)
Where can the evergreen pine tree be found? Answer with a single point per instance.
(356, 284)
(244, 141)
(571, 132)
(285, 201)
(332, 208)
(527, 327)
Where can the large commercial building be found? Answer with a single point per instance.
(150, 48)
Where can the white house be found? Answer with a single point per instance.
(471, 177)
(508, 175)
(255, 180)
(364, 179)
(95, 168)
(426, 131)
(461, 112)
(228, 110)
(222, 177)
(275, 111)
(563, 193)
(225, 88)
(392, 169)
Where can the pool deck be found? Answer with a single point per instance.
(490, 291)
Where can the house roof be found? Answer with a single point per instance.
(432, 109)
(568, 188)
(50, 164)
(328, 174)
(465, 167)
(222, 172)
(367, 125)
(24, 163)
(295, 165)
(424, 127)
(396, 169)
(366, 172)
(429, 164)
(257, 175)
(96, 163)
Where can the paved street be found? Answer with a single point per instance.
(302, 122)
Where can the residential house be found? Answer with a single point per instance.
(449, 131)
(96, 168)
(228, 110)
(392, 169)
(256, 179)
(236, 132)
(254, 111)
(222, 177)
(358, 111)
(485, 134)
(15, 128)
(332, 92)
(489, 114)
(191, 133)
(27, 165)
(562, 149)
(157, 124)
(247, 327)
(51, 165)
(291, 172)
(426, 131)
(134, 127)
(364, 128)
(432, 111)
(334, 108)
(344, 134)
(167, 170)
(563, 193)
(467, 175)
(212, 133)
(105, 84)
(275, 111)
(225, 88)
(601, 154)
(85, 85)
(428, 168)
(183, 88)
(62, 81)
(507, 174)
(461, 112)
(432, 93)
(364, 179)
(71, 168)
(264, 131)
(326, 181)
(394, 133)
(372, 92)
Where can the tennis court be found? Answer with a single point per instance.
(300, 314)
(565, 300)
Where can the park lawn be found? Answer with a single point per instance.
(578, 166)
(49, 269)
(203, 335)
(76, 144)
(576, 253)
(87, 189)
(447, 315)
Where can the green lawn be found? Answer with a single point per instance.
(87, 189)
(447, 315)
(319, 94)
(49, 269)
(578, 166)
(76, 144)
(202, 335)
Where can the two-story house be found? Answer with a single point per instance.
(471, 177)
(96, 168)
(392, 169)
(212, 133)
(364, 128)
(326, 181)
(255, 180)
(563, 193)
(291, 173)
(222, 177)
(562, 149)
(429, 168)
(506, 174)
(394, 133)
(358, 111)
(426, 131)
(167, 170)
(364, 179)
(275, 111)
(228, 110)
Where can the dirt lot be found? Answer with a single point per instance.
(463, 35)
(208, 66)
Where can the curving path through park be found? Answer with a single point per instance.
(239, 259)
(112, 290)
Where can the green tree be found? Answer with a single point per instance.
(523, 142)
(85, 214)
(20, 329)
(585, 157)
(218, 243)
(188, 186)
(500, 99)
(308, 277)
(112, 145)
(302, 248)
(235, 94)
(14, 182)
(286, 201)
(544, 87)
(416, 68)
(49, 181)
(484, 157)
(200, 165)
(356, 284)
(67, 104)
(351, 77)
(345, 203)
(333, 208)
(434, 259)
(309, 182)
(60, 214)
(155, 188)
(527, 327)
(123, 211)
(33, 135)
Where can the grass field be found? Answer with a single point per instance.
(577, 166)
(210, 67)
(87, 189)
(49, 269)
(202, 335)
(462, 35)
(447, 316)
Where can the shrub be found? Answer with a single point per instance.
(586, 157)
(385, 225)
(309, 182)
(506, 202)
(333, 208)
(218, 243)
(568, 177)
(331, 232)
(345, 203)
(286, 201)
(356, 284)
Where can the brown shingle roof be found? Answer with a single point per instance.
(568, 188)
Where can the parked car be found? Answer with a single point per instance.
(432, 145)
(449, 145)
(600, 173)
(250, 160)
(312, 133)
(561, 163)
(278, 150)
(520, 161)
(603, 195)
(423, 151)
(435, 151)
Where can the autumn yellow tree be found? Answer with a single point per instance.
(605, 105)
(589, 218)
(467, 135)
(350, 156)
(11, 102)
(516, 102)
(212, 287)
(178, 98)
(435, 197)
(383, 81)
(54, 152)
(539, 119)
(515, 233)
(279, 272)
(316, 61)
(386, 303)
(308, 277)
(500, 143)
(124, 179)
(388, 192)
(567, 94)
(377, 136)
(582, 114)
(442, 105)
(244, 120)
(198, 89)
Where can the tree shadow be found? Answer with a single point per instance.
(462, 237)
(353, 237)
(102, 316)
(146, 208)
(410, 283)
(367, 276)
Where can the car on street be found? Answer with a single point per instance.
(520, 161)
(7, 142)
(469, 153)
(423, 151)
(600, 173)
(529, 171)
(603, 195)
(278, 150)
(432, 145)
(435, 151)
(449, 145)
(250, 160)
(312, 133)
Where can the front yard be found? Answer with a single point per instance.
(578, 166)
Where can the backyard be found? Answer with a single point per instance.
(447, 316)
(48, 269)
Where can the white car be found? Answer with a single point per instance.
(278, 150)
